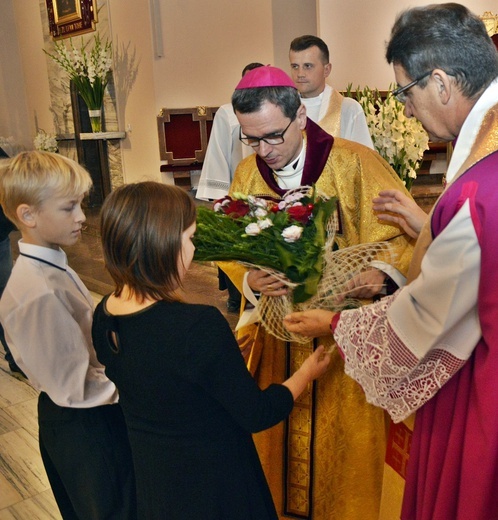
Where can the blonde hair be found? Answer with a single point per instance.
(33, 177)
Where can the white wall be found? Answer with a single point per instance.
(130, 28)
(356, 32)
(291, 18)
(24, 94)
(206, 45)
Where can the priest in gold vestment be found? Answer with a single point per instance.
(326, 462)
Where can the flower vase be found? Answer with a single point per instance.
(95, 119)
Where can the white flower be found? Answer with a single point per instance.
(259, 207)
(259, 212)
(45, 142)
(292, 233)
(219, 205)
(85, 67)
(252, 229)
(265, 223)
(401, 141)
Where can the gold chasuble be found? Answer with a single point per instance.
(326, 461)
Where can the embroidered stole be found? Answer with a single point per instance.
(331, 121)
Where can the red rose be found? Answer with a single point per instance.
(221, 201)
(233, 208)
(236, 208)
(300, 213)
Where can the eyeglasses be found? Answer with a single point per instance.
(272, 139)
(400, 93)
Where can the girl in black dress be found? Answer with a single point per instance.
(190, 403)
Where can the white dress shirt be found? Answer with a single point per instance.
(47, 312)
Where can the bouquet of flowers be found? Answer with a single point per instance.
(294, 240)
(45, 142)
(400, 140)
(88, 69)
(286, 236)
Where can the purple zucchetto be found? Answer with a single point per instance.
(266, 76)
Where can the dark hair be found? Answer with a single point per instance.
(141, 228)
(448, 37)
(249, 100)
(251, 66)
(301, 43)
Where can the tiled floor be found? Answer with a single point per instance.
(24, 490)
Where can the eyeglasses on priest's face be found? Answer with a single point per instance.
(400, 92)
(271, 139)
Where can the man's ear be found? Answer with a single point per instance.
(26, 215)
(328, 70)
(301, 116)
(444, 85)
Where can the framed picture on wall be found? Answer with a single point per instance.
(66, 11)
(68, 18)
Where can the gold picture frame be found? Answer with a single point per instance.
(67, 18)
(66, 11)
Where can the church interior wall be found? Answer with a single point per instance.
(356, 33)
(197, 60)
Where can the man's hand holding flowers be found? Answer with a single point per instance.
(264, 283)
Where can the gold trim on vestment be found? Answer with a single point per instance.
(485, 144)
(331, 121)
(299, 441)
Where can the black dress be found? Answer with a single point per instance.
(190, 406)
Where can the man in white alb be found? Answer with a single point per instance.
(224, 152)
(337, 115)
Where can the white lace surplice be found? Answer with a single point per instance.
(402, 349)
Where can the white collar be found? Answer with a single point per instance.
(45, 254)
(290, 175)
(470, 129)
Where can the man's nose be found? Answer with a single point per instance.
(264, 149)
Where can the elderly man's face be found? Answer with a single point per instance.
(425, 104)
(269, 121)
